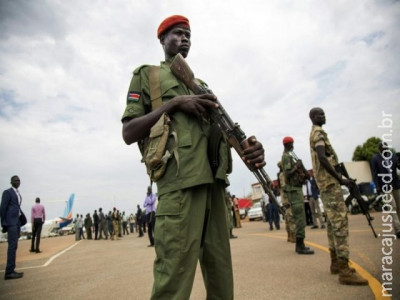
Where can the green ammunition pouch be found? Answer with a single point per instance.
(156, 154)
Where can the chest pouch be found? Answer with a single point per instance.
(156, 154)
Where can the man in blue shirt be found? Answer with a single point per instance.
(150, 207)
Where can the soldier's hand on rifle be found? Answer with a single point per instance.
(345, 181)
(197, 105)
(254, 154)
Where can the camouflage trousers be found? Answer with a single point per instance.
(337, 222)
(115, 229)
(296, 200)
(289, 220)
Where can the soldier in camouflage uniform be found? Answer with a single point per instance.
(289, 221)
(115, 217)
(191, 224)
(329, 182)
(229, 215)
(293, 190)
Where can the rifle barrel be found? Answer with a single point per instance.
(182, 71)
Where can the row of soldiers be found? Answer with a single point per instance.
(293, 176)
(114, 224)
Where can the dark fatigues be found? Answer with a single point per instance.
(191, 213)
(331, 194)
(289, 220)
(293, 190)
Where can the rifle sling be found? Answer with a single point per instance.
(155, 87)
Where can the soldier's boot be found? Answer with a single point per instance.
(347, 275)
(334, 263)
(292, 238)
(301, 248)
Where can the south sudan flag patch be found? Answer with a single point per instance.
(133, 96)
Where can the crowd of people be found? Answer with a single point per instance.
(112, 225)
(115, 224)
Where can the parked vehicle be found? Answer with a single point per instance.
(255, 213)
(371, 201)
(242, 213)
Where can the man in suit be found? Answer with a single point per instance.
(10, 210)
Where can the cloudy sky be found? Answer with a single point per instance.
(65, 67)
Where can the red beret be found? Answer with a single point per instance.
(287, 140)
(171, 21)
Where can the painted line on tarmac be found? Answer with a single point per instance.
(373, 283)
(50, 260)
(59, 254)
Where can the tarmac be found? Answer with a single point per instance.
(265, 266)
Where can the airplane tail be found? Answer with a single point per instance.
(67, 216)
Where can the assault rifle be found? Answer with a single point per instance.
(301, 169)
(355, 193)
(235, 136)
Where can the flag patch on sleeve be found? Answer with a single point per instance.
(133, 96)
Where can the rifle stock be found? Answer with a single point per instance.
(234, 135)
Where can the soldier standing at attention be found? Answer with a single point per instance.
(293, 189)
(139, 216)
(102, 224)
(88, 226)
(115, 226)
(96, 221)
(329, 182)
(235, 209)
(229, 215)
(289, 221)
(191, 213)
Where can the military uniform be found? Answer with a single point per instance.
(289, 220)
(331, 194)
(191, 213)
(229, 213)
(115, 225)
(294, 192)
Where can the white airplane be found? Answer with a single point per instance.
(51, 227)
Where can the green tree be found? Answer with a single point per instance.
(366, 150)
